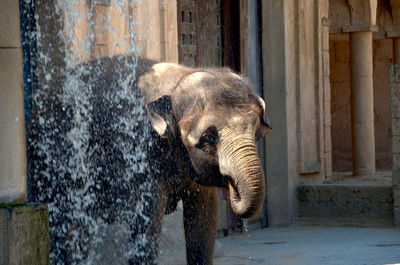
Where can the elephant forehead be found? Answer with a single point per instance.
(161, 68)
(197, 79)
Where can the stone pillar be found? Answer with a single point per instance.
(24, 228)
(280, 90)
(362, 103)
(12, 131)
(394, 83)
(362, 24)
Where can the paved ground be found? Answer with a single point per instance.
(311, 245)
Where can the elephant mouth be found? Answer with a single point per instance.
(231, 184)
(212, 177)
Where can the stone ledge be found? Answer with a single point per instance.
(345, 201)
(359, 28)
(393, 33)
(24, 231)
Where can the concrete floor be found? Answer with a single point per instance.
(305, 245)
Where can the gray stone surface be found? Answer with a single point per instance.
(396, 177)
(345, 201)
(394, 74)
(24, 234)
(312, 246)
(12, 130)
(394, 79)
(9, 24)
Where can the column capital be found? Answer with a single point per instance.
(359, 28)
(363, 12)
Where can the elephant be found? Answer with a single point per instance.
(117, 142)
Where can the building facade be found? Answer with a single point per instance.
(321, 66)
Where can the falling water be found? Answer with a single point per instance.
(90, 139)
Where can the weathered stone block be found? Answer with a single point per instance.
(100, 30)
(395, 144)
(394, 92)
(395, 126)
(394, 73)
(396, 177)
(24, 231)
(345, 201)
(395, 109)
(12, 127)
(10, 36)
(396, 162)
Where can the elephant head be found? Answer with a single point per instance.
(218, 119)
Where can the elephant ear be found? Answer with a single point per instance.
(161, 116)
(156, 86)
(265, 124)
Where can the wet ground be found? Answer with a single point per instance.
(305, 245)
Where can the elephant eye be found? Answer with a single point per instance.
(209, 137)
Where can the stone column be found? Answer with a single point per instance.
(24, 227)
(362, 103)
(362, 24)
(280, 89)
(394, 83)
(12, 131)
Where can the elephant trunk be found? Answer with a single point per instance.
(240, 162)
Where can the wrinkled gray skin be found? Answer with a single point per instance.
(219, 120)
(204, 128)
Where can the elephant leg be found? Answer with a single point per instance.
(200, 221)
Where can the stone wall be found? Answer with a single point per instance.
(295, 50)
(394, 79)
(106, 28)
